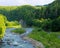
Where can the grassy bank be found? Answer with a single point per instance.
(13, 24)
(19, 30)
(18, 26)
(50, 40)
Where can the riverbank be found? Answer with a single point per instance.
(24, 37)
(34, 42)
(19, 30)
(41, 39)
(48, 39)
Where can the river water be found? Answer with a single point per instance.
(13, 40)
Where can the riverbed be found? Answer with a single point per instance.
(13, 40)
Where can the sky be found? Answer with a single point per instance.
(24, 2)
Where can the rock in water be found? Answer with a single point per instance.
(1, 41)
(15, 43)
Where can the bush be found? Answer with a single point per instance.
(43, 23)
(46, 24)
(2, 26)
(12, 23)
(37, 23)
(19, 30)
(56, 25)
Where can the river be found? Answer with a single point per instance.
(13, 40)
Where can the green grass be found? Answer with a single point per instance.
(18, 26)
(19, 30)
(13, 24)
(50, 40)
(9, 7)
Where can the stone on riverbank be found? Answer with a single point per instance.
(34, 42)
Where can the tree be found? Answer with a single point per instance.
(56, 25)
(27, 13)
(2, 26)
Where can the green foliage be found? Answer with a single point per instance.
(26, 13)
(50, 40)
(2, 26)
(46, 24)
(56, 24)
(19, 30)
(43, 23)
(37, 23)
(12, 23)
(0, 30)
(32, 15)
(9, 7)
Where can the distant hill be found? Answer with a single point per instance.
(8, 7)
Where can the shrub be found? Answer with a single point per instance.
(12, 23)
(43, 23)
(2, 26)
(19, 30)
(37, 23)
(46, 24)
(56, 25)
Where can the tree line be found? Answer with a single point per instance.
(47, 17)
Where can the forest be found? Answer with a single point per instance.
(47, 16)
(44, 19)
